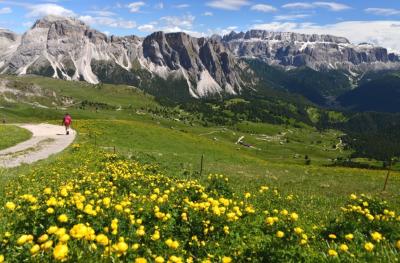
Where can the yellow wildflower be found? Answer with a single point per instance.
(369, 246)
(140, 231)
(226, 230)
(43, 238)
(78, 231)
(135, 246)
(24, 239)
(298, 230)
(64, 238)
(10, 206)
(376, 236)
(63, 218)
(303, 242)
(172, 244)
(226, 260)
(332, 253)
(344, 247)
(122, 247)
(47, 191)
(294, 216)
(47, 245)
(269, 221)
(60, 252)
(184, 217)
(370, 217)
(64, 192)
(280, 234)
(102, 239)
(106, 201)
(34, 249)
(156, 235)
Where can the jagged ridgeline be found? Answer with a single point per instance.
(180, 66)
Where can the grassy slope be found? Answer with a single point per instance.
(11, 135)
(177, 146)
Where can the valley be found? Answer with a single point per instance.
(255, 146)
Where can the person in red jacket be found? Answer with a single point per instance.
(67, 121)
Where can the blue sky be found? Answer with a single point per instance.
(377, 22)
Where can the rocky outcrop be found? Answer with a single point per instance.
(67, 48)
(204, 63)
(319, 52)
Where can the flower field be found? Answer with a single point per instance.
(101, 207)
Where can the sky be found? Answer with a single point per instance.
(376, 22)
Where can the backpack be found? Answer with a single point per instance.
(67, 120)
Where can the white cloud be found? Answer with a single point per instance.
(5, 10)
(208, 14)
(380, 33)
(101, 13)
(290, 17)
(181, 6)
(383, 11)
(108, 21)
(135, 6)
(159, 5)
(171, 24)
(27, 24)
(41, 10)
(299, 5)
(333, 6)
(185, 21)
(228, 4)
(263, 8)
(221, 31)
(147, 28)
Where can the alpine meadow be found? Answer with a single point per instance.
(156, 131)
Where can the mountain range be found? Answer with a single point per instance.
(323, 68)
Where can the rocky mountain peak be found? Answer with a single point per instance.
(67, 48)
(49, 20)
(7, 34)
(283, 36)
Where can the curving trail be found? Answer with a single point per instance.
(47, 139)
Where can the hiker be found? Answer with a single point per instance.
(67, 122)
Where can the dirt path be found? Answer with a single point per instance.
(47, 139)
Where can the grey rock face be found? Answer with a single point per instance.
(66, 47)
(69, 49)
(205, 63)
(315, 51)
(9, 42)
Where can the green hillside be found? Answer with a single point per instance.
(376, 93)
(11, 135)
(161, 147)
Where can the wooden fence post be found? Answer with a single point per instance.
(201, 164)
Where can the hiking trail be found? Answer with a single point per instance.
(47, 139)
